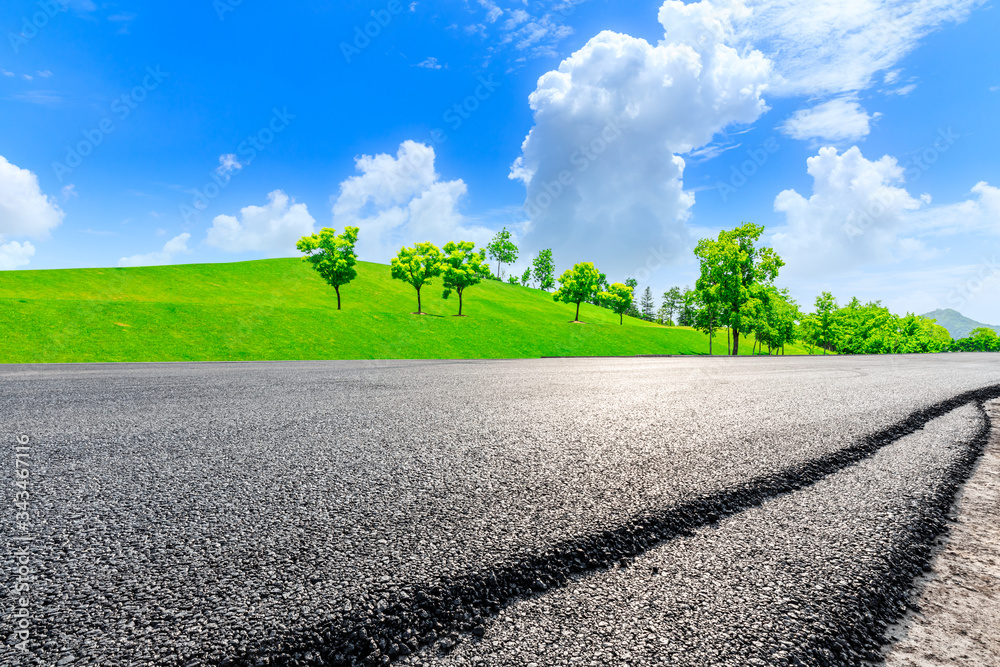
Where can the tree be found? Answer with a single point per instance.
(705, 310)
(648, 306)
(601, 286)
(618, 298)
(632, 311)
(686, 312)
(502, 249)
(332, 256)
(777, 312)
(526, 277)
(980, 339)
(672, 302)
(826, 306)
(577, 285)
(416, 266)
(544, 270)
(462, 267)
(737, 266)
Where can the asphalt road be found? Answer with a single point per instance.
(299, 512)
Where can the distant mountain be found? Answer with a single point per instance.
(957, 324)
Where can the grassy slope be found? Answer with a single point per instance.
(280, 309)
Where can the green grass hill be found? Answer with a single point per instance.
(281, 309)
(957, 324)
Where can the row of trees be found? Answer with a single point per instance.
(980, 340)
(459, 264)
(735, 290)
(870, 328)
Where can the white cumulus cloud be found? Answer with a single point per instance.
(173, 247)
(14, 254)
(839, 120)
(397, 201)
(858, 214)
(25, 211)
(602, 163)
(24, 208)
(272, 229)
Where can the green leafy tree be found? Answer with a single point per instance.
(544, 270)
(633, 310)
(602, 286)
(618, 298)
(735, 264)
(579, 284)
(502, 249)
(777, 314)
(417, 266)
(513, 280)
(980, 339)
(461, 268)
(526, 277)
(705, 310)
(672, 301)
(826, 306)
(332, 256)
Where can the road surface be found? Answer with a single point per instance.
(589, 511)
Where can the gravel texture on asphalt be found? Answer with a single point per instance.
(294, 513)
(956, 617)
(809, 578)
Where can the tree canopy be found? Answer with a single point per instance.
(738, 272)
(417, 266)
(543, 270)
(462, 267)
(618, 298)
(332, 256)
(502, 249)
(579, 284)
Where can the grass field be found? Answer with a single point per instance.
(281, 309)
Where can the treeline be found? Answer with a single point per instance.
(870, 328)
(735, 291)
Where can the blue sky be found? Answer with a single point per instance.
(862, 134)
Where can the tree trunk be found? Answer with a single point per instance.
(577, 312)
(736, 342)
(710, 341)
(419, 311)
(337, 288)
(621, 318)
(729, 342)
(459, 302)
